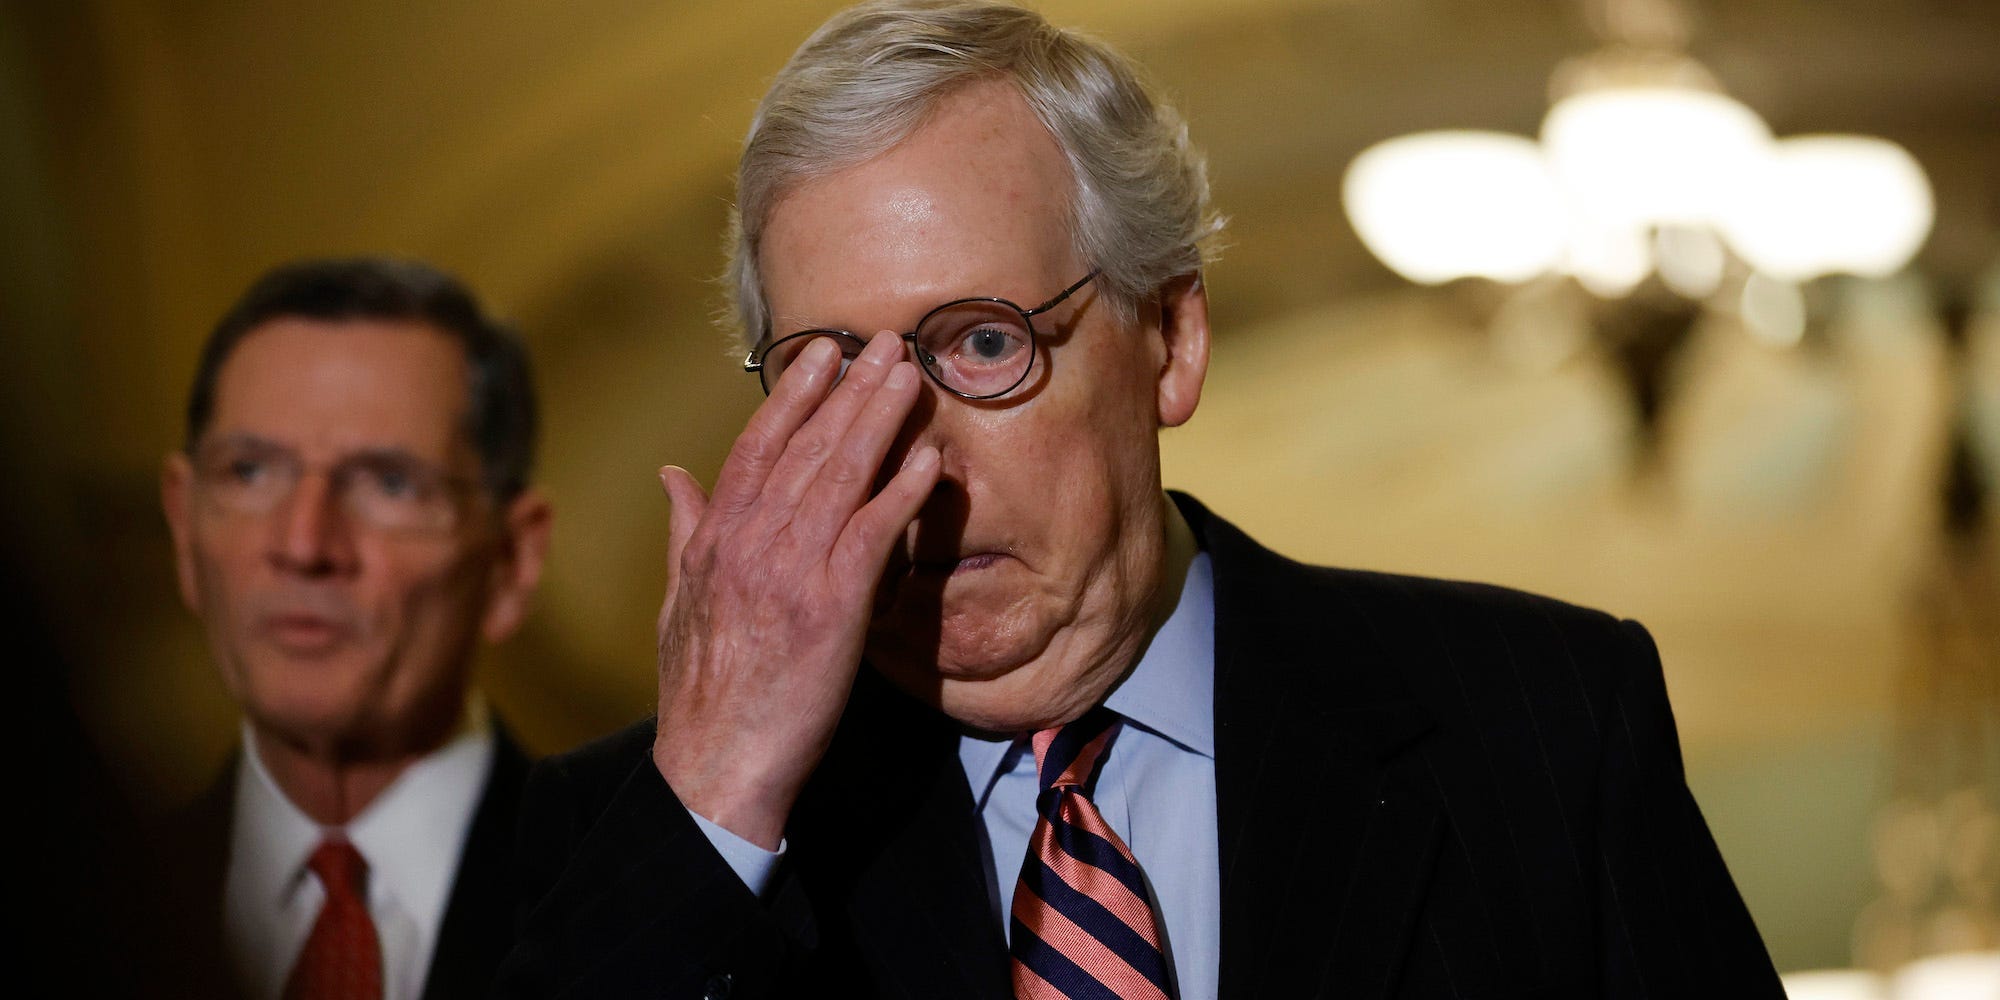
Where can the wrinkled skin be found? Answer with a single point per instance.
(1010, 568)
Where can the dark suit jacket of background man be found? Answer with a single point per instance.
(1423, 788)
(478, 925)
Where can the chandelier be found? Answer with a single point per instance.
(1644, 167)
(1662, 197)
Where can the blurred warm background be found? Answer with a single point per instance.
(1791, 485)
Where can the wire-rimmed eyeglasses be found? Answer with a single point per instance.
(976, 348)
(387, 489)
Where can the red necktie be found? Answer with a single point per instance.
(342, 960)
(1083, 920)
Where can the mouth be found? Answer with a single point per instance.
(304, 634)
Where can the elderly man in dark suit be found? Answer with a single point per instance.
(351, 518)
(956, 701)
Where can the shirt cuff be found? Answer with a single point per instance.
(753, 864)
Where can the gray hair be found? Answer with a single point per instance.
(870, 77)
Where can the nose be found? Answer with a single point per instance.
(309, 533)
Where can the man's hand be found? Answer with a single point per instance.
(771, 581)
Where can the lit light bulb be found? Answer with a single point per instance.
(1831, 204)
(1638, 157)
(1435, 206)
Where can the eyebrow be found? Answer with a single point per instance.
(239, 439)
(376, 455)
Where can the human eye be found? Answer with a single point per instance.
(990, 344)
(395, 492)
(395, 481)
(977, 335)
(243, 468)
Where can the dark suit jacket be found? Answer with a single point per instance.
(478, 926)
(1424, 789)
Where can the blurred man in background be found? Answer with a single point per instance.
(352, 518)
(956, 701)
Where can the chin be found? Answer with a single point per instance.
(985, 668)
(307, 705)
(1020, 702)
(1008, 695)
(316, 733)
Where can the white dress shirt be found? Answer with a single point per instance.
(411, 836)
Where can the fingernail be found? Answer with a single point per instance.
(924, 458)
(664, 487)
(820, 350)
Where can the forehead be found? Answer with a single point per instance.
(974, 203)
(338, 386)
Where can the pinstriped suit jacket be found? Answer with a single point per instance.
(1424, 789)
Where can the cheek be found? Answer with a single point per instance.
(228, 568)
(441, 598)
(1086, 459)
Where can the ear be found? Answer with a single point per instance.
(1184, 329)
(516, 573)
(176, 482)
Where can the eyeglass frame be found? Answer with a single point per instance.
(461, 494)
(753, 362)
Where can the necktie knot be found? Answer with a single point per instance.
(341, 868)
(1068, 756)
(342, 957)
(1083, 921)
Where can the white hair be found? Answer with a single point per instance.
(871, 76)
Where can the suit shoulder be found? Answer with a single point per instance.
(1254, 578)
(1450, 601)
(1439, 639)
(589, 775)
(1480, 627)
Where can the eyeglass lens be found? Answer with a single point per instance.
(979, 348)
(384, 491)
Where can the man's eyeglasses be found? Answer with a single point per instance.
(387, 490)
(978, 348)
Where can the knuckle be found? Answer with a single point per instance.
(812, 443)
(844, 473)
(758, 446)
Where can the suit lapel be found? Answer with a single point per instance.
(1327, 826)
(477, 929)
(911, 880)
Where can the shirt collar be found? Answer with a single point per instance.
(269, 838)
(412, 833)
(397, 834)
(1171, 691)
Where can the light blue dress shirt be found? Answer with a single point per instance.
(1156, 789)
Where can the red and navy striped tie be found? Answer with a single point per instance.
(1083, 925)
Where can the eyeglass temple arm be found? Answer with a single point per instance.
(1065, 293)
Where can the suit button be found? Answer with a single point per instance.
(718, 987)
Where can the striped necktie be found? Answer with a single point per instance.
(1083, 922)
